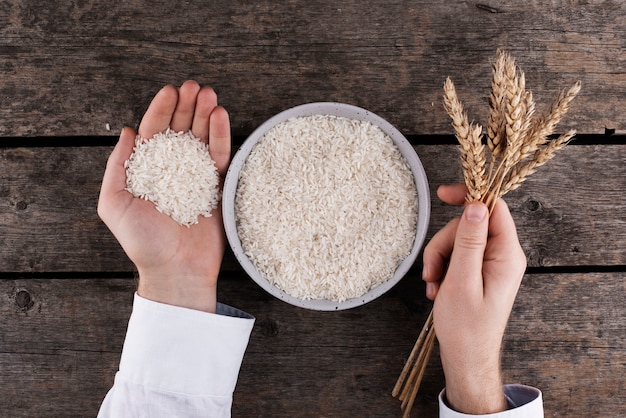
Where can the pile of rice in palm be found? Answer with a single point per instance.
(174, 170)
(326, 207)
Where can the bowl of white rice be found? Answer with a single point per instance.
(326, 206)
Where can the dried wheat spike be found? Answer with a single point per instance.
(529, 112)
(469, 136)
(473, 163)
(455, 110)
(531, 142)
(522, 171)
(496, 123)
(514, 115)
(544, 125)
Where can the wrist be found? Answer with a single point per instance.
(198, 292)
(475, 386)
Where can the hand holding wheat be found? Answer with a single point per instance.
(517, 143)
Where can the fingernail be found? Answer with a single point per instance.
(425, 271)
(430, 290)
(475, 212)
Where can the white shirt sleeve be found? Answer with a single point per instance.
(523, 401)
(178, 362)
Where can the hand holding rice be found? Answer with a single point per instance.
(174, 170)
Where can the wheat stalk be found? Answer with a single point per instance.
(518, 143)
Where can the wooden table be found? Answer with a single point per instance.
(72, 74)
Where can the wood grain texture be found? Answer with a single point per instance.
(60, 344)
(87, 68)
(565, 336)
(570, 213)
(78, 68)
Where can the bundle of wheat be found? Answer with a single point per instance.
(519, 142)
(518, 139)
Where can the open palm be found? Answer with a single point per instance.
(176, 264)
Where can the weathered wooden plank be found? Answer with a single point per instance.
(568, 336)
(76, 69)
(565, 336)
(570, 213)
(60, 343)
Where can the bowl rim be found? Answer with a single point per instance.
(343, 110)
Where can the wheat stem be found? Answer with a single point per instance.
(414, 351)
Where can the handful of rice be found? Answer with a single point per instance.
(174, 170)
(326, 207)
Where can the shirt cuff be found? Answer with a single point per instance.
(523, 401)
(185, 351)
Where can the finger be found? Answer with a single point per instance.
(502, 230)
(452, 194)
(466, 261)
(159, 114)
(504, 249)
(114, 180)
(501, 222)
(437, 252)
(206, 103)
(436, 257)
(185, 107)
(219, 139)
(432, 288)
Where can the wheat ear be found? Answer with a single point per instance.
(469, 137)
(544, 126)
(515, 113)
(496, 123)
(521, 172)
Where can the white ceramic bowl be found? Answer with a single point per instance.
(342, 110)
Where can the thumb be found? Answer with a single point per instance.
(466, 261)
